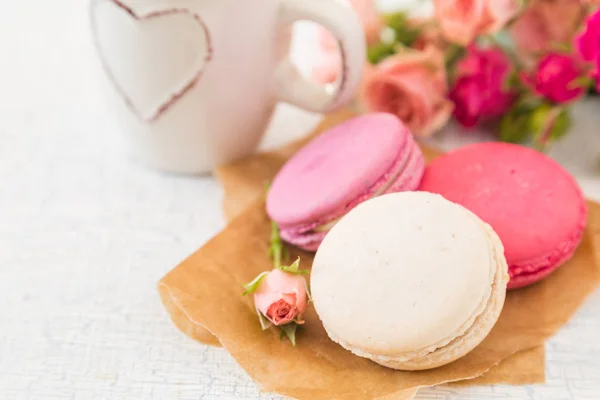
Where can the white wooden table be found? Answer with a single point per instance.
(85, 234)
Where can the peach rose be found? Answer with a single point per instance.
(461, 21)
(545, 23)
(369, 17)
(429, 35)
(282, 297)
(411, 85)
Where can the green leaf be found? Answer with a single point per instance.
(530, 102)
(515, 126)
(290, 331)
(379, 51)
(264, 322)
(407, 36)
(584, 82)
(404, 32)
(561, 126)
(561, 47)
(453, 55)
(253, 286)
(294, 268)
(539, 118)
(513, 82)
(308, 292)
(549, 123)
(395, 20)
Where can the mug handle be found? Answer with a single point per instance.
(345, 26)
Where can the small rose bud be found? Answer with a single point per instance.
(282, 297)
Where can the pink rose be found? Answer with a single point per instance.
(545, 23)
(282, 297)
(461, 21)
(480, 89)
(588, 41)
(411, 85)
(554, 78)
(329, 66)
(468, 101)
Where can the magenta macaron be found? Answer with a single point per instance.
(360, 159)
(533, 203)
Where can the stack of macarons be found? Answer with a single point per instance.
(532, 202)
(358, 160)
(417, 279)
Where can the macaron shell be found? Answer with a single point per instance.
(525, 275)
(412, 267)
(335, 169)
(477, 332)
(412, 166)
(533, 204)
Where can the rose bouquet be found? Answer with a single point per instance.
(517, 67)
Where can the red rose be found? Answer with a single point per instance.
(555, 78)
(480, 89)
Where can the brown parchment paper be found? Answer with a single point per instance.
(243, 183)
(204, 292)
(526, 367)
(206, 289)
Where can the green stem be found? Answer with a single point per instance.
(276, 249)
(453, 54)
(276, 245)
(541, 144)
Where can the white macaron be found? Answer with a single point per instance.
(409, 280)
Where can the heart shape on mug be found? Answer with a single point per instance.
(153, 58)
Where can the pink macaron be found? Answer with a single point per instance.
(360, 159)
(533, 203)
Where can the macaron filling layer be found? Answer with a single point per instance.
(404, 175)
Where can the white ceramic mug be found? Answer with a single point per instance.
(199, 79)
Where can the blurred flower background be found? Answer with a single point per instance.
(513, 67)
